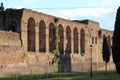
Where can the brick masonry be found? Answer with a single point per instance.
(14, 35)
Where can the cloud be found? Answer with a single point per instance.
(96, 12)
(106, 2)
(110, 3)
(26, 4)
(30, 1)
(93, 12)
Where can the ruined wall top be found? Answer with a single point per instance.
(15, 16)
(9, 39)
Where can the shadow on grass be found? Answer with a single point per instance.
(110, 75)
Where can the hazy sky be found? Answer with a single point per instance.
(102, 11)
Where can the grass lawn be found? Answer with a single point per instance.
(110, 75)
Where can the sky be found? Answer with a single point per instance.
(102, 11)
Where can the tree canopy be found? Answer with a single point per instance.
(116, 42)
(105, 51)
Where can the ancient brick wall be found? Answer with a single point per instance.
(23, 49)
(93, 36)
(10, 49)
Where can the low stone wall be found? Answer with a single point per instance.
(47, 68)
(11, 51)
(95, 66)
(29, 69)
(9, 39)
(14, 60)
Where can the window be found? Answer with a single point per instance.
(68, 37)
(100, 33)
(51, 37)
(96, 40)
(42, 36)
(92, 40)
(75, 40)
(61, 38)
(31, 35)
(82, 41)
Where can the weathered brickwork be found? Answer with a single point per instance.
(28, 37)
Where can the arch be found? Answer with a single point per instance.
(96, 40)
(82, 40)
(51, 37)
(92, 40)
(99, 33)
(68, 39)
(61, 38)
(109, 43)
(42, 36)
(31, 35)
(109, 40)
(75, 36)
(104, 36)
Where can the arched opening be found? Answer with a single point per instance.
(104, 36)
(42, 36)
(31, 35)
(99, 33)
(96, 40)
(61, 39)
(82, 41)
(92, 40)
(75, 40)
(68, 39)
(109, 43)
(51, 37)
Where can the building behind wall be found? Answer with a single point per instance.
(28, 38)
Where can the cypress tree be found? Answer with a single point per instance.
(105, 52)
(116, 42)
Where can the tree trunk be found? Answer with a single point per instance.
(105, 66)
